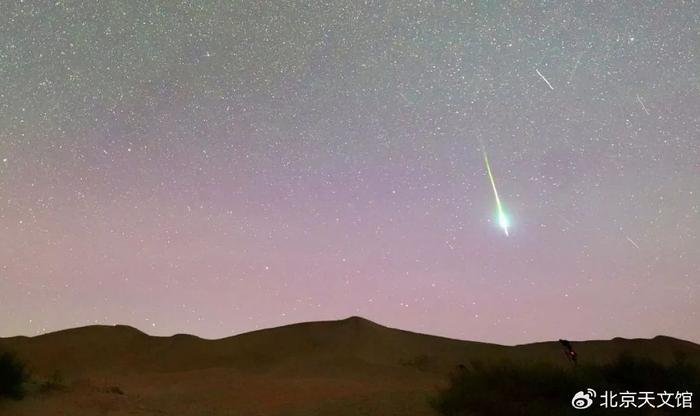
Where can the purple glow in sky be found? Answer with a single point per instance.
(215, 168)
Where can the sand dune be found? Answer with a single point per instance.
(353, 366)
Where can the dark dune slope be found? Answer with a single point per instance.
(314, 346)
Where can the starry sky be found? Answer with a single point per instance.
(218, 167)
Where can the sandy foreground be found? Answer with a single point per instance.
(226, 392)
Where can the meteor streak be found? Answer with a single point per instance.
(503, 220)
(545, 79)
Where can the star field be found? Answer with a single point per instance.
(219, 167)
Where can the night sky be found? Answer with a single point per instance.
(213, 168)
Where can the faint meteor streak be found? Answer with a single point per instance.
(632, 242)
(642, 103)
(569, 223)
(545, 79)
(578, 60)
(503, 221)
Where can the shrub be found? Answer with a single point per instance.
(522, 390)
(420, 362)
(54, 383)
(13, 375)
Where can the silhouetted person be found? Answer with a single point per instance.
(570, 353)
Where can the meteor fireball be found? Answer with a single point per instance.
(503, 220)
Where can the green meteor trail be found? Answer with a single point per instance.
(503, 221)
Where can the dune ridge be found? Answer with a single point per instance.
(325, 367)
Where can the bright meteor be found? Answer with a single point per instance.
(503, 220)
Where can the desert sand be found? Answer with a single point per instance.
(347, 367)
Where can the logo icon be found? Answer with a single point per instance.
(583, 399)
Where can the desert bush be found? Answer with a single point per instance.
(54, 383)
(114, 390)
(421, 362)
(521, 390)
(13, 375)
